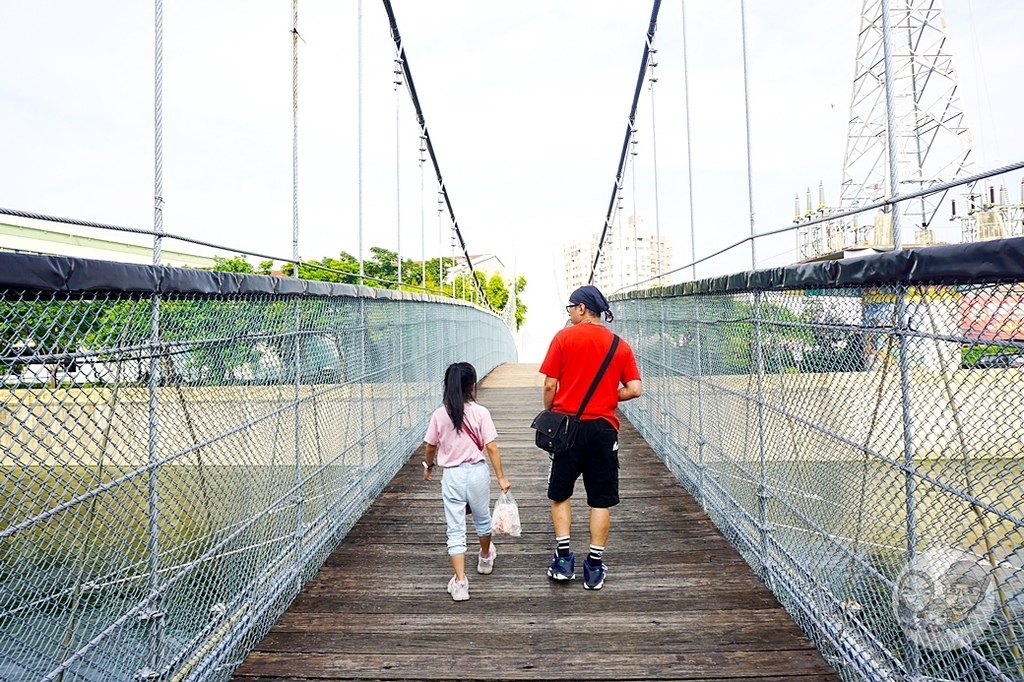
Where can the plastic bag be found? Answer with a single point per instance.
(505, 519)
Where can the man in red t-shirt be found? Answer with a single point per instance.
(573, 359)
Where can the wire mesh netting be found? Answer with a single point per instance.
(176, 466)
(861, 446)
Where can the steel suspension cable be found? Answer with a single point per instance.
(299, 501)
(398, 169)
(654, 157)
(632, 187)
(359, 126)
(621, 244)
(396, 36)
(158, 135)
(630, 127)
(295, 134)
(746, 113)
(440, 238)
(423, 219)
(689, 149)
(153, 617)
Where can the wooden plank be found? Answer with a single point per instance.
(487, 678)
(491, 662)
(679, 602)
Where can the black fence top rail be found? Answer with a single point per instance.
(61, 274)
(999, 260)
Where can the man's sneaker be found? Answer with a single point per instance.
(485, 565)
(459, 591)
(593, 576)
(563, 567)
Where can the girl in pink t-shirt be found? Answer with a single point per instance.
(457, 436)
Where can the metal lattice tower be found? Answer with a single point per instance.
(934, 142)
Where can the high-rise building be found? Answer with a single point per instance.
(630, 258)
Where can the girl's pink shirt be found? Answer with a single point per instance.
(456, 447)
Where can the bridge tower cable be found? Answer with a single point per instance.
(630, 129)
(400, 51)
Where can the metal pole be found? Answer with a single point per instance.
(701, 441)
(913, 662)
(763, 493)
(890, 128)
(153, 616)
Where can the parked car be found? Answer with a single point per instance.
(999, 360)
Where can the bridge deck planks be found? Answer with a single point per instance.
(679, 602)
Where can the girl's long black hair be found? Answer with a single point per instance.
(458, 390)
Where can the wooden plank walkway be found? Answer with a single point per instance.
(679, 602)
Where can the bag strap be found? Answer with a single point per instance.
(472, 436)
(597, 377)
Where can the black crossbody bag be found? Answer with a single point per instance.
(556, 432)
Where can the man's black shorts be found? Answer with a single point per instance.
(595, 455)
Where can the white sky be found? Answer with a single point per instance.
(526, 103)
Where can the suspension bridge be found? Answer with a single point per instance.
(217, 476)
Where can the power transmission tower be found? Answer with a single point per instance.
(933, 141)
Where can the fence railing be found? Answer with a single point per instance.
(854, 428)
(182, 449)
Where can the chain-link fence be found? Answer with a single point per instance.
(181, 450)
(855, 429)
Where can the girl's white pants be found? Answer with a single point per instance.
(466, 484)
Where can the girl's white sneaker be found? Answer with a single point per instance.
(459, 591)
(485, 565)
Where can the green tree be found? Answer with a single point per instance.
(727, 346)
(521, 308)
(53, 330)
(237, 264)
(240, 264)
(381, 271)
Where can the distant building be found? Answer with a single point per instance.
(631, 258)
(48, 238)
(487, 263)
